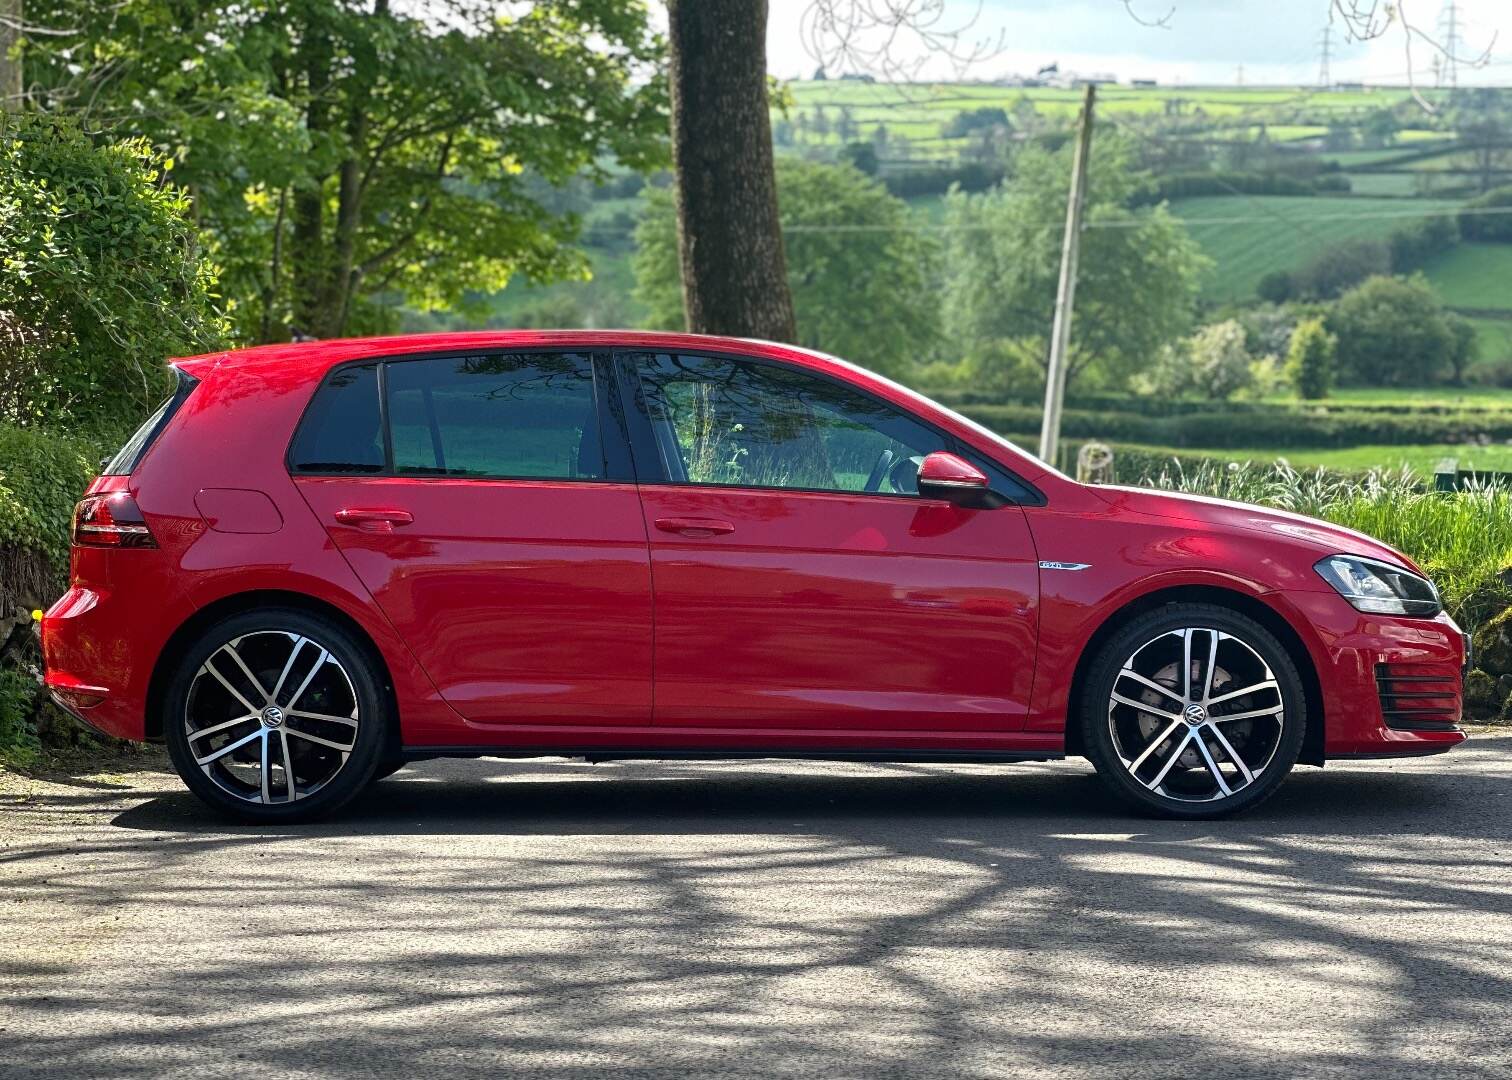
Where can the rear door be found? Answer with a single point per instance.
(487, 502)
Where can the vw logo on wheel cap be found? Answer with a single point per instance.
(1195, 714)
(272, 716)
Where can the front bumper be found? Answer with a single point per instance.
(1391, 686)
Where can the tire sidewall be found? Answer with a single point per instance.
(1098, 740)
(372, 741)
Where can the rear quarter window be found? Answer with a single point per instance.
(130, 455)
(342, 431)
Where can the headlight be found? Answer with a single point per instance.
(1380, 587)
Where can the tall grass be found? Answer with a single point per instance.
(1462, 539)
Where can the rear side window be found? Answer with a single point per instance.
(126, 458)
(342, 433)
(522, 416)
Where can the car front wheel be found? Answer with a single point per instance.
(276, 715)
(1193, 711)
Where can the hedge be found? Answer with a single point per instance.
(1295, 429)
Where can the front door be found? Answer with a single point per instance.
(487, 513)
(801, 583)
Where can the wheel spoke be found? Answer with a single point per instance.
(345, 748)
(1153, 710)
(309, 676)
(1144, 756)
(327, 717)
(1248, 714)
(266, 767)
(1130, 673)
(1232, 754)
(215, 671)
(215, 755)
(1254, 688)
(1212, 666)
(1186, 663)
(1180, 748)
(230, 650)
(288, 765)
(1212, 765)
(203, 732)
(288, 665)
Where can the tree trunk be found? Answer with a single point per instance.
(729, 237)
(12, 87)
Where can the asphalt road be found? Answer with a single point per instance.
(763, 919)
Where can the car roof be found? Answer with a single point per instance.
(314, 357)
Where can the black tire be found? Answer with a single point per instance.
(387, 768)
(1106, 722)
(350, 760)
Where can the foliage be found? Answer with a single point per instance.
(19, 744)
(1413, 246)
(1489, 217)
(343, 152)
(1276, 287)
(1139, 269)
(1341, 267)
(863, 291)
(1393, 332)
(1220, 363)
(101, 278)
(971, 120)
(42, 475)
(1310, 359)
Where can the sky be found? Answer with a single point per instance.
(1204, 41)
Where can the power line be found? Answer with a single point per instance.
(1325, 79)
(1449, 27)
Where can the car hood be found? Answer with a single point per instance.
(1210, 513)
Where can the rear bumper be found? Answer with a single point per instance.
(99, 647)
(1391, 687)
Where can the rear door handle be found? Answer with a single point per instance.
(694, 526)
(374, 519)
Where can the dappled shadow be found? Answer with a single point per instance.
(757, 919)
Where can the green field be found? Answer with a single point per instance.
(1248, 236)
(1475, 276)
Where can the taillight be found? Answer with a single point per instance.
(110, 520)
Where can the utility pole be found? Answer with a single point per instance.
(1065, 294)
(1325, 78)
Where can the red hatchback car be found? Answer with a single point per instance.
(319, 561)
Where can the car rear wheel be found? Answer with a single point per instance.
(1193, 711)
(277, 715)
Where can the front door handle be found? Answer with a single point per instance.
(694, 526)
(374, 519)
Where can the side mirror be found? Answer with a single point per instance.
(954, 480)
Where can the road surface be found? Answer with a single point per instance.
(762, 919)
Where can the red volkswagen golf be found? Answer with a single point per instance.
(317, 562)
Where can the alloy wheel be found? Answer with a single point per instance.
(1196, 715)
(271, 717)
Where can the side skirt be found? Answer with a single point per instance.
(605, 753)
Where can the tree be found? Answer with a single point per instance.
(1392, 332)
(1218, 360)
(343, 152)
(1340, 267)
(1466, 346)
(102, 278)
(1310, 359)
(862, 281)
(1139, 269)
(734, 270)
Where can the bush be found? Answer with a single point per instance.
(1392, 332)
(1493, 227)
(1341, 267)
(101, 279)
(1276, 287)
(1412, 246)
(1310, 359)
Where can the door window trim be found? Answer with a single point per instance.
(619, 463)
(644, 448)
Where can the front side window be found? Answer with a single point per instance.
(526, 416)
(730, 422)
